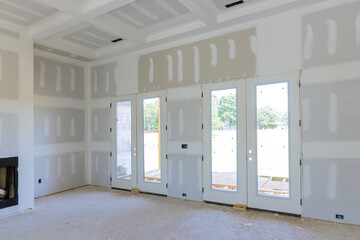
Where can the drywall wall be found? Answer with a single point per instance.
(286, 43)
(59, 124)
(113, 77)
(230, 56)
(330, 112)
(16, 110)
(184, 164)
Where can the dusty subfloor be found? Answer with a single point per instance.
(100, 213)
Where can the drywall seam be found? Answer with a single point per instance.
(232, 49)
(170, 68)
(180, 65)
(196, 64)
(332, 36)
(214, 55)
(253, 44)
(151, 70)
(309, 42)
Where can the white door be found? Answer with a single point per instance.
(274, 146)
(152, 162)
(123, 142)
(224, 143)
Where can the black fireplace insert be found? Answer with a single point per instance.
(8, 182)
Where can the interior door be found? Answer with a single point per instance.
(274, 146)
(152, 162)
(224, 143)
(123, 142)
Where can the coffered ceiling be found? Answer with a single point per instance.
(86, 29)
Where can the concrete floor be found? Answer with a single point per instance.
(100, 213)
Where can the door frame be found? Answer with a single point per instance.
(273, 203)
(153, 187)
(218, 195)
(123, 183)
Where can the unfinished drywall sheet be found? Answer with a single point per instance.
(100, 124)
(213, 60)
(56, 79)
(331, 36)
(8, 134)
(105, 84)
(332, 111)
(59, 125)
(184, 128)
(331, 140)
(60, 172)
(9, 75)
(103, 81)
(100, 167)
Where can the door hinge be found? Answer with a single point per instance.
(166, 156)
(110, 154)
(300, 162)
(202, 158)
(301, 202)
(165, 99)
(167, 185)
(110, 179)
(299, 123)
(202, 126)
(166, 127)
(110, 129)
(299, 84)
(202, 190)
(202, 94)
(110, 105)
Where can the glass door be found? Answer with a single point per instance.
(224, 143)
(152, 175)
(124, 142)
(273, 139)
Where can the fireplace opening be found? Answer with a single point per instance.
(8, 182)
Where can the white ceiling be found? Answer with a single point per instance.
(85, 28)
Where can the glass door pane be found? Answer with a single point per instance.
(224, 139)
(274, 143)
(123, 140)
(224, 142)
(152, 168)
(272, 136)
(152, 140)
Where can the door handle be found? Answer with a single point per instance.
(249, 155)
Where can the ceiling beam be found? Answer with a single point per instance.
(52, 25)
(62, 21)
(66, 6)
(123, 30)
(202, 9)
(69, 47)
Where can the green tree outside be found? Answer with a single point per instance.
(151, 116)
(267, 118)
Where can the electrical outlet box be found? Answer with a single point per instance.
(339, 216)
(39, 180)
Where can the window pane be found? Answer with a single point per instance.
(272, 139)
(224, 139)
(123, 139)
(152, 146)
